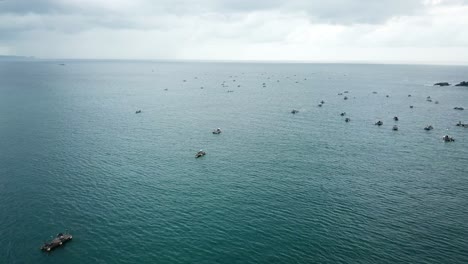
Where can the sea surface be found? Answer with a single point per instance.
(273, 188)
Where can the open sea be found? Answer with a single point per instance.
(274, 187)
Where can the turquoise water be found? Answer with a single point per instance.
(273, 188)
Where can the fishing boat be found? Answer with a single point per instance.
(200, 153)
(58, 241)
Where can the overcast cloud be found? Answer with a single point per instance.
(311, 30)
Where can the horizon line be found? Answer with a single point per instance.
(382, 62)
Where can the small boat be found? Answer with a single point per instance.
(200, 153)
(340, 93)
(461, 124)
(217, 131)
(138, 111)
(58, 241)
(459, 108)
(387, 96)
(409, 95)
(410, 106)
(429, 127)
(322, 102)
(294, 111)
(345, 98)
(343, 114)
(347, 119)
(395, 128)
(346, 92)
(436, 102)
(446, 138)
(319, 105)
(395, 118)
(374, 92)
(379, 123)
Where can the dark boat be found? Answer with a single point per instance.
(294, 111)
(429, 127)
(217, 131)
(347, 119)
(138, 111)
(461, 124)
(343, 114)
(395, 118)
(446, 138)
(58, 241)
(395, 128)
(379, 123)
(200, 153)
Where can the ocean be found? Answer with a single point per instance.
(274, 187)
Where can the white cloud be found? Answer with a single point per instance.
(428, 30)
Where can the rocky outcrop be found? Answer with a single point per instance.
(442, 84)
(463, 84)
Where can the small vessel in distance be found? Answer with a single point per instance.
(461, 124)
(200, 153)
(347, 119)
(395, 128)
(217, 131)
(138, 111)
(59, 240)
(395, 118)
(294, 111)
(447, 138)
(429, 127)
(379, 123)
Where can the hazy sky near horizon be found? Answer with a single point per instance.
(312, 30)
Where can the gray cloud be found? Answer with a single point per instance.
(229, 28)
(330, 11)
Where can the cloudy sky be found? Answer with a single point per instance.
(425, 31)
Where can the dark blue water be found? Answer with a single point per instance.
(273, 188)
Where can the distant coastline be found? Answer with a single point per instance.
(16, 58)
(358, 62)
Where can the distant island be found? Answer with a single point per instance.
(464, 83)
(15, 58)
(442, 84)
